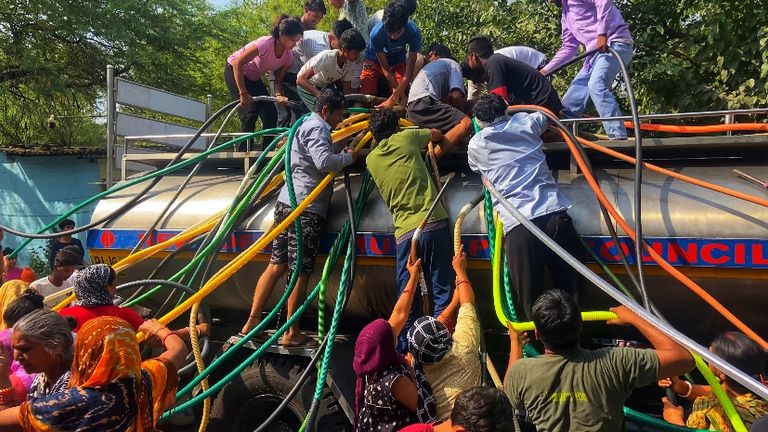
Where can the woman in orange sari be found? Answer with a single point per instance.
(111, 389)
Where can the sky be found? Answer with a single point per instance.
(219, 4)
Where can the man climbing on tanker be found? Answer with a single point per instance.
(508, 153)
(401, 176)
(312, 158)
(594, 24)
(437, 97)
(513, 80)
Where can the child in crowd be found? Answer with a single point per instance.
(64, 241)
(312, 158)
(405, 185)
(386, 54)
(515, 81)
(331, 67)
(67, 261)
(477, 409)
(450, 362)
(437, 97)
(245, 68)
(707, 413)
(387, 395)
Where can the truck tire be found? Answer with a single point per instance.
(246, 402)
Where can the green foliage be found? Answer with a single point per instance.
(690, 54)
(38, 260)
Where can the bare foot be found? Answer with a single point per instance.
(297, 339)
(250, 325)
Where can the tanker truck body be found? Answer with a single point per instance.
(719, 241)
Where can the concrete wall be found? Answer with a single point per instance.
(35, 190)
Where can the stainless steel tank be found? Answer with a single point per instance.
(720, 241)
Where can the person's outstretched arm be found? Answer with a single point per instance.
(175, 349)
(402, 308)
(673, 359)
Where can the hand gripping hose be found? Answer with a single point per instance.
(485, 361)
(654, 255)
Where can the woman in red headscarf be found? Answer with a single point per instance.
(388, 396)
(111, 389)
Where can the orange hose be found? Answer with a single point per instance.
(736, 127)
(653, 254)
(682, 177)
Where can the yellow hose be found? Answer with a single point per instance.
(497, 260)
(179, 239)
(233, 266)
(194, 338)
(719, 392)
(456, 248)
(352, 119)
(585, 316)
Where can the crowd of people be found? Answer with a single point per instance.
(419, 369)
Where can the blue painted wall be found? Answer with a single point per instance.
(34, 190)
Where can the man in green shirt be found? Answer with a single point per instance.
(398, 169)
(570, 388)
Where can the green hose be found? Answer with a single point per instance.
(143, 178)
(226, 227)
(333, 257)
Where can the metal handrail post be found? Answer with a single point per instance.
(110, 124)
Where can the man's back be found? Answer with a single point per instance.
(403, 179)
(436, 79)
(580, 390)
(519, 83)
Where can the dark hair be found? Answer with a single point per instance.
(7, 251)
(744, 353)
(410, 5)
(480, 46)
(29, 301)
(340, 26)
(558, 320)
(286, 26)
(66, 222)
(483, 409)
(332, 98)
(315, 6)
(439, 49)
(395, 17)
(489, 107)
(352, 40)
(68, 256)
(112, 276)
(383, 123)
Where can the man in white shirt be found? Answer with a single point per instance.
(329, 67)
(508, 153)
(312, 43)
(437, 97)
(65, 263)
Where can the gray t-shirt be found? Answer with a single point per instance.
(312, 158)
(312, 43)
(436, 79)
(581, 390)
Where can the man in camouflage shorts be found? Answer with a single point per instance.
(312, 158)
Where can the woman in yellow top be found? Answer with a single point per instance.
(707, 413)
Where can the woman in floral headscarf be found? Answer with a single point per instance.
(388, 396)
(111, 389)
(95, 289)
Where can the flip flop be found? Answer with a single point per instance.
(307, 342)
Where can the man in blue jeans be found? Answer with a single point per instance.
(594, 24)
